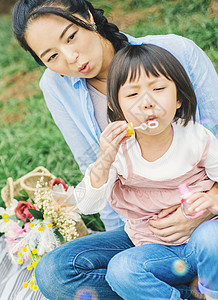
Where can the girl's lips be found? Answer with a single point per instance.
(85, 68)
(150, 118)
(152, 122)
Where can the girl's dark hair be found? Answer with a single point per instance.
(154, 60)
(27, 10)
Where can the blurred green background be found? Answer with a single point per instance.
(28, 135)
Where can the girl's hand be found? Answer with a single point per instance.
(202, 201)
(110, 140)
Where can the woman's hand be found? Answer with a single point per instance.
(173, 227)
(110, 140)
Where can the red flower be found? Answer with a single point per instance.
(58, 181)
(22, 212)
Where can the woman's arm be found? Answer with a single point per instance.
(172, 226)
(204, 80)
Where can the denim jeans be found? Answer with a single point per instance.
(77, 269)
(152, 271)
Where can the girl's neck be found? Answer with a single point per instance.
(154, 147)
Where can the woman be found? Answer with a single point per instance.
(77, 44)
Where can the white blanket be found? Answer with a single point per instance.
(12, 278)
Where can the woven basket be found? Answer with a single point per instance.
(28, 183)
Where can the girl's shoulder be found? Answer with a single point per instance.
(193, 133)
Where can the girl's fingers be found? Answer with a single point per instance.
(115, 135)
(113, 126)
(119, 138)
(194, 197)
(117, 130)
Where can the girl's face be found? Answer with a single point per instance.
(68, 49)
(149, 98)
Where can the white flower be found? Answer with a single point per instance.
(66, 201)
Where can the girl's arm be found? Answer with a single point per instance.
(203, 201)
(93, 192)
(110, 141)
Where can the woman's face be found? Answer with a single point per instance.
(68, 49)
(149, 99)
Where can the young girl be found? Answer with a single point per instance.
(140, 174)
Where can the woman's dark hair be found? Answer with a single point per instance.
(27, 10)
(154, 60)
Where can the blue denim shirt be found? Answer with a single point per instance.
(71, 107)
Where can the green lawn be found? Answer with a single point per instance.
(28, 135)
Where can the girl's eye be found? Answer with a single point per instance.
(132, 95)
(71, 37)
(52, 57)
(159, 89)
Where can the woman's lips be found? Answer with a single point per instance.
(85, 68)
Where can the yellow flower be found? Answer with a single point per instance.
(5, 218)
(29, 267)
(40, 228)
(34, 251)
(35, 287)
(19, 254)
(24, 249)
(34, 264)
(32, 282)
(20, 261)
(49, 225)
(25, 285)
(32, 225)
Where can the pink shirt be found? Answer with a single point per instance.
(140, 199)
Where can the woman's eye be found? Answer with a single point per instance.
(52, 57)
(71, 37)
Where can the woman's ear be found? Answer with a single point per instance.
(91, 19)
(108, 104)
(178, 104)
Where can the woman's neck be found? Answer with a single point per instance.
(99, 84)
(154, 147)
(100, 81)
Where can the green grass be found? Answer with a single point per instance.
(32, 139)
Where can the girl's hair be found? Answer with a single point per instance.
(154, 60)
(27, 10)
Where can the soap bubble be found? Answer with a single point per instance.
(179, 267)
(195, 291)
(86, 294)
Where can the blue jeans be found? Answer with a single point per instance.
(77, 270)
(152, 271)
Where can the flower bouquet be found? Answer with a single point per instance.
(34, 225)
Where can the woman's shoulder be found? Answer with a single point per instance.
(51, 79)
(158, 40)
